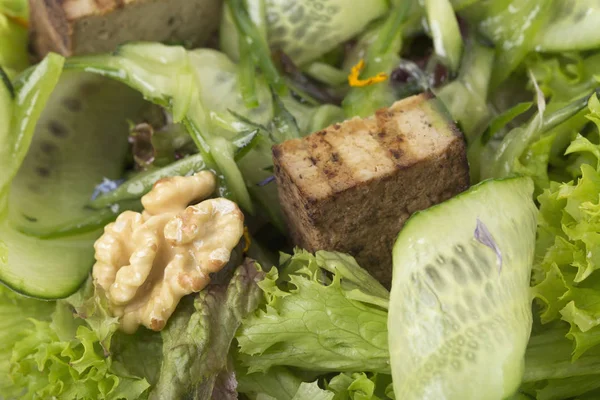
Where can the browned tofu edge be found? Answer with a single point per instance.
(52, 30)
(309, 218)
(49, 29)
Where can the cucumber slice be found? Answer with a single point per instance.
(30, 98)
(45, 269)
(297, 25)
(460, 305)
(573, 26)
(80, 139)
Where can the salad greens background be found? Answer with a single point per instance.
(519, 78)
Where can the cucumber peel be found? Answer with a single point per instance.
(460, 305)
(25, 109)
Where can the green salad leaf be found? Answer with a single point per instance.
(63, 350)
(197, 339)
(568, 249)
(566, 76)
(15, 314)
(361, 386)
(312, 391)
(550, 373)
(317, 317)
(565, 277)
(278, 382)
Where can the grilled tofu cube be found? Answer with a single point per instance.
(351, 186)
(71, 27)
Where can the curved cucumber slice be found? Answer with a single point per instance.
(46, 269)
(572, 27)
(29, 101)
(460, 306)
(297, 25)
(80, 139)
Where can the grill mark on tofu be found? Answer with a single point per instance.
(339, 176)
(421, 136)
(294, 156)
(363, 156)
(399, 161)
(391, 138)
(75, 27)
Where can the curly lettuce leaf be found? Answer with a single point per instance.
(537, 148)
(197, 340)
(63, 350)
(565, 77)
(361, 386)
(313, 319)
(312, 391)
(566, 275)
(15, 314)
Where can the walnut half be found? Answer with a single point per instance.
(145, 263)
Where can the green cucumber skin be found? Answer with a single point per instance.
(31, 96)
(458, 324)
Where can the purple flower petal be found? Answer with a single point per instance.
(483, 236)
(106, 186)
(266, 181)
